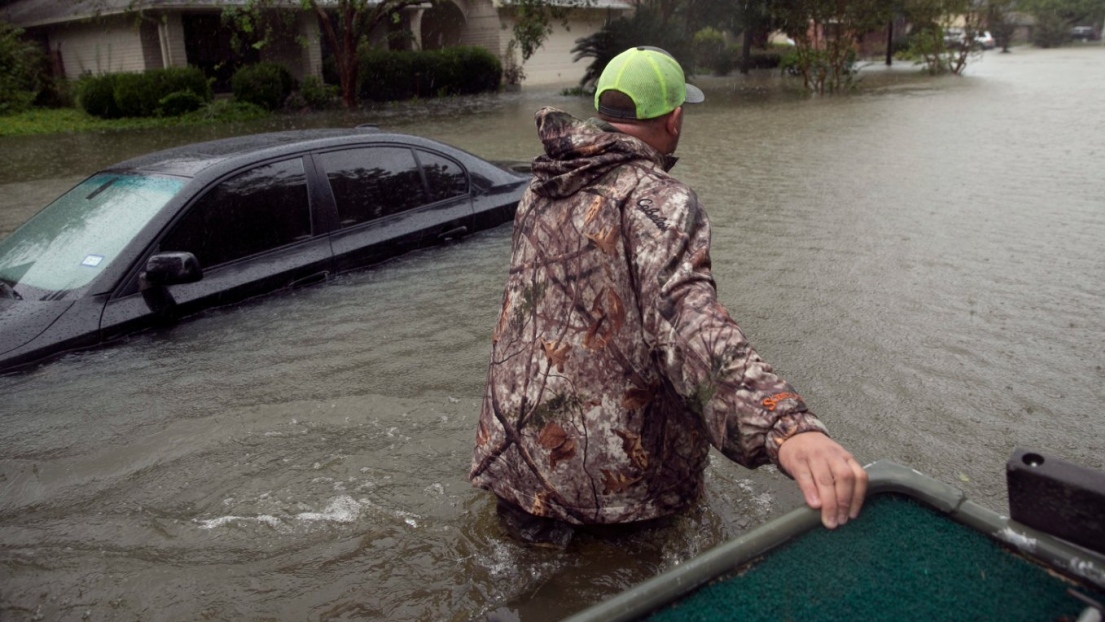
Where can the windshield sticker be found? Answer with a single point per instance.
(92, 261)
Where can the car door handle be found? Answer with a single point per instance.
(453, 233)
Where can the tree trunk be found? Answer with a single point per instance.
(349, 60)
(348, 80)
(746, 51)
(889, 43)
(345, 52)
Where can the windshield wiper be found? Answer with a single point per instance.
(7, 291)
(101, 189)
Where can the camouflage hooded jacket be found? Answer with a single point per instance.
(613, 366)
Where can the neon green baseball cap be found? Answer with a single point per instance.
(650, 77)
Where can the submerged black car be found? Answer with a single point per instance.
(165, 235)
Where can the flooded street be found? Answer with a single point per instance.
(924, 260)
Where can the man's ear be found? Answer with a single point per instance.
(674, 121)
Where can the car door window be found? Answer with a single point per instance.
(446, 179)
(373, 182)
(250, 213)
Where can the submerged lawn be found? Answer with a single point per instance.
(70, 120)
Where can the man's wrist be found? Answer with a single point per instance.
(789, 426)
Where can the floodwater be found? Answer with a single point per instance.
(922, 259)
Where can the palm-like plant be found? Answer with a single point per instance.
(645, 27)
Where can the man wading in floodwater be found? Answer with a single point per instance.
(613, 366)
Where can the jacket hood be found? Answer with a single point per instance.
(579, 152)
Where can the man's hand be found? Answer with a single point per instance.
(830, 478)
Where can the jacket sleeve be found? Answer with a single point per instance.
(747, 410)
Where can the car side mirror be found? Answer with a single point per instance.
(172, 269)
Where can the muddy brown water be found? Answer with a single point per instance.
(924, 260)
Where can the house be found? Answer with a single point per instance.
(102, 36)
(552, 63)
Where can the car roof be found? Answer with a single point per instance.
(190, 160)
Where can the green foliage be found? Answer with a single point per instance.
(926, 47)
(765, 59)
(39, 121)
(727, 61)
(709, 50)
(115, 95)
(1000, 22)
(388, 75)
(1054, 18)
(788, 62)
(175, 79)
(644, 27)
(824, 71)
(825, 33)
(732, 57)
(21, 69)
(254, 25)
(178, 103)
(264, 84)
(57, 92)
(135, 95)
(316, 93)
(225, 111)
(96, 96)
(1051, 30)
(513, 73)
(934, 43)
(534, 19)
(473, 69)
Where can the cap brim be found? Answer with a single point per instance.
(694, 95)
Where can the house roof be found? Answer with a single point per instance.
(623, 5)
(29, 13)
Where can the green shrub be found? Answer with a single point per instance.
(473, 70)
(57, 92)
(727, 61)
(21, 70)
(709, 50)
(96, 96)
(644, 27)
(140, 94)
(760, 59)
(225, 110)
(264, 84)
(14, 99)
(135, 95)
(789, 63)
(386, 75)
(178, 103)
(117, 95)
(394, 75)
(316, 93)
(1051, 30)
(176, 79)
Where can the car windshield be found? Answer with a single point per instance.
(75, 238)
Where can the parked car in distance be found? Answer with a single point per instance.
(162, 236)
(956, 39)
(1082, 33)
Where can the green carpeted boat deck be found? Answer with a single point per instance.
(920, 550)
(899, 560)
